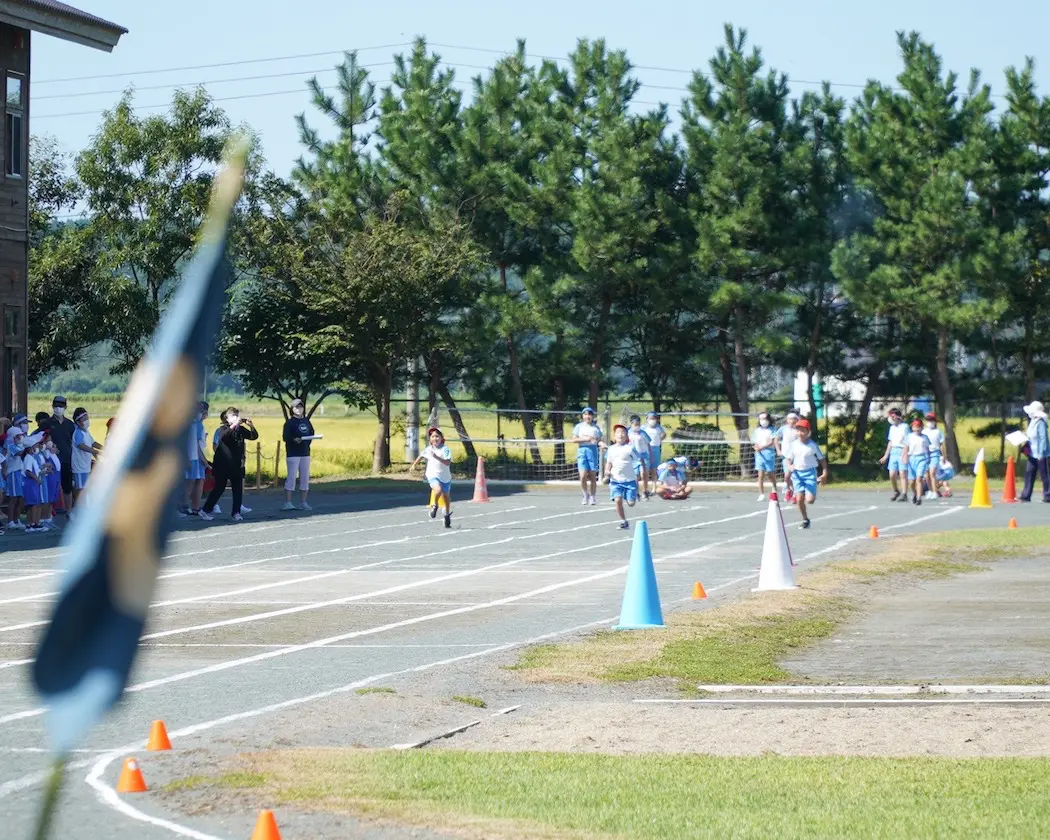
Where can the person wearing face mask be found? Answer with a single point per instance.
(62, 428)
(764, 440)
(84, 451)
(297, 431)
(657, 435)
(14, 450)
(228, 461)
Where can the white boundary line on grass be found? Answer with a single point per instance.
(844, 702)
(875, 689)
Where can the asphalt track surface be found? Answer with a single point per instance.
(285, 610)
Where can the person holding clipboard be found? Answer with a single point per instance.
(298, 435)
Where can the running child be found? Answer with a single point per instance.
(893, 457)
(640, 440)
(764, 440)
(657, 436)
(801, 461)
(785, 436)
(671, 484)
(589, 437)
(620, 467)
(916, 459)
(936, 437)
(438, 472)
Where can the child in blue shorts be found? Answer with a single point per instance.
(764, 440)
(588, 435)
(894, 457)
(620, 468)
(438, 472)
(14, 449)
(917, 459)
(803, 457)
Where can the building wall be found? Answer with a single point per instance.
(14, 218)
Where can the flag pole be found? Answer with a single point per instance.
(50, 802)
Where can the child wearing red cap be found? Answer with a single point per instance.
(802, 457)
(916, 459)
(438, 472)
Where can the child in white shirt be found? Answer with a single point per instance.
(438, 473)
(764, 441)
(621, 458)
(802, 458)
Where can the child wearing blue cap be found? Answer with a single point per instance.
(589, 437)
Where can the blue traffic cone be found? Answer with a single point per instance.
(641, 601)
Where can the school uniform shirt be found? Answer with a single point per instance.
(297, 427)
(763, 436)
(672, 481)
(936, 438)
(621, 458)
(657, 435)
(897, 435)
(81, 461)
(435, 469)
(803, 456)
(588, 430)
(13, 451)
(787, 436)
(640, 440)
(918, 445)
(198, 440)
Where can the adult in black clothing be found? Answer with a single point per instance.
(62, 428)
(296, 429)
(227, 464)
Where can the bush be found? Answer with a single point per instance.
(843, 428)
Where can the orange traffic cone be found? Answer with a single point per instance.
(266, 827)
(1012, 525)
(698, 591)
(1010, 483)
(481, 487)
(131, 780)
(873, 532)
(158, 737)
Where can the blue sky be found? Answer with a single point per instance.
(809, 40)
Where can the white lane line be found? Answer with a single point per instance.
(839, 702)
(823, 690)
(451, 732)
(321, 643)
(27, 577)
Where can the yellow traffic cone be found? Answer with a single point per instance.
(982, 498)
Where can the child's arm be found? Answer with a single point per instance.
(437, 457)
(425, 453)
(822, 464)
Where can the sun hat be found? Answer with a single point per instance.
(1035, 409)
(802, 424)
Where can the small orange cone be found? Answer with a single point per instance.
(1012, 525)
(873, 532)
(698, 591)
(131, 780)
(158, 737)
(266, 827)
(1010, 482)
(481, 487)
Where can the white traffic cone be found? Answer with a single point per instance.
(776, 571)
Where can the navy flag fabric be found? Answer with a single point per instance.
(113, 548)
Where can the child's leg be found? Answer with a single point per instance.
(593, 482)
(446, 501)
(585, 481)
(198, 491)
(619, 508)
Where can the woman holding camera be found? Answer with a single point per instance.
(228, 460)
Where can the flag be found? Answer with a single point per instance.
(112, 550)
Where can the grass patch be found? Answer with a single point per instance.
(374, 689)
(742, 642)
(233, 780)
(564, 795)
(476, 702)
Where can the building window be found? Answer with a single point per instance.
(15, 128)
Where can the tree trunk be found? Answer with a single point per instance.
(558, 419)
(597, 352)
(725, 365)
(861, 431)
(811, 399)
(438, 388)
(1029, 360)
(945, 394)
(515, 378)
(381, 449)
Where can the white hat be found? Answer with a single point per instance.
(1035, 409)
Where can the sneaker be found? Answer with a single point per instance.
(904, 498)
(804, 525)
(245, 509)
(303, 506)
(434, 512)
(586, 498)
(35, 529)
(930, 495)
(17, 525)
(238, 518)
(217, 509)
(448, 520)
(594, 500)
(896, 495)
(207, 517)
(761, 497)
(183, 514)
(918, 500)
(624, 525)
(288, 506)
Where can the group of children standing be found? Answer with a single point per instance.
(915, 459)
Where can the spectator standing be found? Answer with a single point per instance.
(198, 462)
(62, 428)
(1038, 452)
(84, 451)
(297, 430)
(228, 461)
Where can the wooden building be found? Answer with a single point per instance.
(19, 19)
